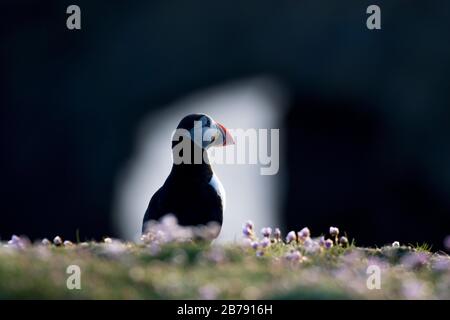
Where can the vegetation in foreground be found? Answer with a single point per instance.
(168, 265)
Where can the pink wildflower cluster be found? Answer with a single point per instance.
(302, 239)
(168, 230)
(23, 242)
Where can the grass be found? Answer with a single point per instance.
(424, 247)
(187, 270)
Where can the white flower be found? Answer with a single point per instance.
(290, 237)
(57, 241)
(266, 232)
(343, 241)
(334, 232)
(396, 244)
(107, 240)
(46, 242)
(116, 248)
(68, 243)
(169, 221)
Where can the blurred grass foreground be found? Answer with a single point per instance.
(168, 264)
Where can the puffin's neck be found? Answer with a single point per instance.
(201, 170)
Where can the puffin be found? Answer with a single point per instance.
(192, 192)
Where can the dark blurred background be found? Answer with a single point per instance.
(367, 124)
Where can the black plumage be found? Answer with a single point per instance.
(192, 192)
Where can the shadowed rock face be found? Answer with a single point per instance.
(349, 168)
(71, 102)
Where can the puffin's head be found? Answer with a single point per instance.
(204, 131)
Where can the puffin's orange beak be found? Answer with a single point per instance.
(228, 139)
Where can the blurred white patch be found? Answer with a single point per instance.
(258, 104)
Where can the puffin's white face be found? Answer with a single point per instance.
(209, 133)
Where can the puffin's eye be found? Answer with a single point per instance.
(213, 138)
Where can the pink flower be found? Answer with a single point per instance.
(247, 229)
(247, 232)
(322, 241)
(441, 264)
(290, 237)
(266, 232)
(311, 246)
(246, 242)
(265, 242)
(328, 243)
(294, 256)
(304, 233)
(277, 234)
(216, 254)
(249, 225)
(415, 260)
(18, 242)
